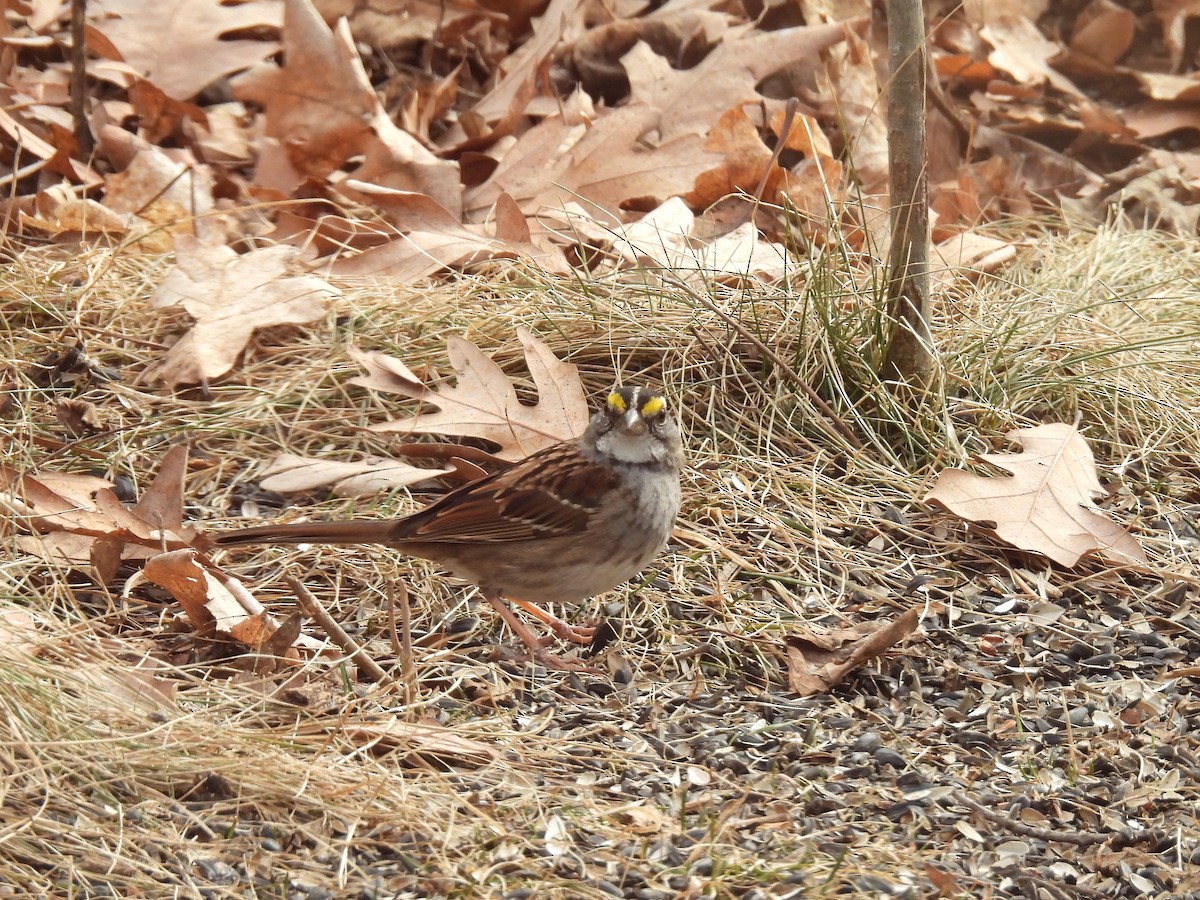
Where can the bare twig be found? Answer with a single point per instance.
(402, 645)
(313, 608)
(83, 134)
(1078, 838)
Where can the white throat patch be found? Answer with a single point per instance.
(629, 448)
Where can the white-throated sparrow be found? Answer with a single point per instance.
(564, 524)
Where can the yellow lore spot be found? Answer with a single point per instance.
(616, 401)
(653, 406)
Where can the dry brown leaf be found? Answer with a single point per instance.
(321, 107)
(616, 111)
(1023, 52)
(130, 688)
(665, 238)
(746, 161)
(856, 98)
(286, 473)
(81, 520)
(1047, 504)
(230, 296)
(1161, 187)
(125, 687)
(1104, 31)
(85, 523)
(434, 239)
(691, 101)
(182, 46)
(1154, 119)
(224, 137)
(1177, 16)
(161, 196)
(1160, 86)
(319, 104)
(483, 403)
(818, 661)
(99, 516)
(968, 256)
(604, 165)
(162, 503)
(215, 604)
(962, 67)
(60, 212)
(394, 159)
(20, 135)
(19, 635)
(519, 79)
(159, 116)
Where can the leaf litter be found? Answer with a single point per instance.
(1038, 707)
(1042, 710)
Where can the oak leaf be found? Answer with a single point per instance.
(321, 107)
(288, 472)
(483, 403)
(666, 238)
(80, 519)
(182, 46)
(602, 165)
(433, 238)
(319, 103)
(217, 604)
(1046, 505)
(691, 101)
(230, 296)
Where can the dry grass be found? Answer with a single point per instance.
(701, 775)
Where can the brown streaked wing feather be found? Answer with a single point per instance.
(546, 495)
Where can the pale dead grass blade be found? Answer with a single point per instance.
(1059, 699)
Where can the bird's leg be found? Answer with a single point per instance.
(576, 634)
(536, 648)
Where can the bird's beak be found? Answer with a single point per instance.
(633, 423)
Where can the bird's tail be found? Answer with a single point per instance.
(354, 531)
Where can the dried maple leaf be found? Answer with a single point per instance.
(484, 403)
(818, 661)
(230, 296)
(1046, 505)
